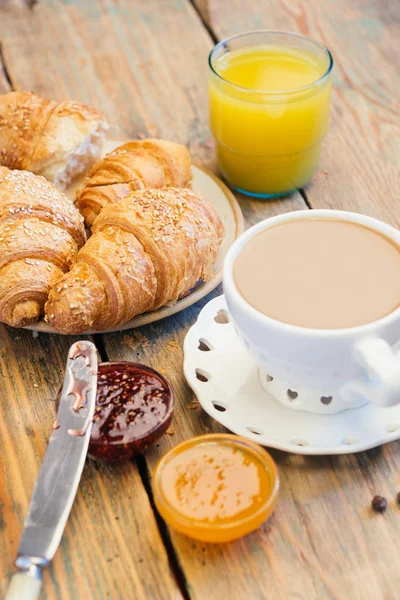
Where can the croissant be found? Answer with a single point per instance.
(148, 250)
(40, 234)
(59, 140)
(134, 166)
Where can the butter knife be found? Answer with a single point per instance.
(59, 475)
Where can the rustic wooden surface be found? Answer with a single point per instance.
(145, 64)
(360, 167)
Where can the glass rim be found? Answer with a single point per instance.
(272, 92)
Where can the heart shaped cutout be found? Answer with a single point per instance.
(204, 346)
(255, 430)
(219, 406)
(221, 317)
(299, 442)
(292, 395)
(326, 399)
(202, 375)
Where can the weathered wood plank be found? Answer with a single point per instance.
(112, 546)
(323, 542)
(111, 533)
(324, 509)
(360, 168)
(4, 83)
(124, 60)
(250, 568)
(158, 92)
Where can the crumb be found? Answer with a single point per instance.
(163, 371)
(141, 136)
(35, 385)
(172, 345)
(193, 404)
(134, 341)
(325, 171)
(170, 431)
(35, 334)
(127, 340)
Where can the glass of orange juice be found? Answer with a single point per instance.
(269, 110)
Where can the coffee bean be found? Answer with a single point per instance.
(379, 503)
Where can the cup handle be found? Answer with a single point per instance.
(381, 385)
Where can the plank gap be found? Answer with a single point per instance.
(303, 194)
(31, 3)
(98, 341)
(5, 70)
(207, 25)
(173, 559)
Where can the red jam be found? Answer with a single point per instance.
(134, 408)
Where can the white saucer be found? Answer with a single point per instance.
(234, 396)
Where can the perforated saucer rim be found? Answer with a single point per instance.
(233, 385)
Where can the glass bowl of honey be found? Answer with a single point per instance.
(216, 488)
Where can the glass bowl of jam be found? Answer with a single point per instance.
(216, 488)
(134, 407)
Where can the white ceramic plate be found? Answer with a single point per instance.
(226, 382)
(228, 208)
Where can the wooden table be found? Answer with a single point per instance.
(144, 63)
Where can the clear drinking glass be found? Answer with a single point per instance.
(269, 139)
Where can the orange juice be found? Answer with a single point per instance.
(216, 488)
(269, 111)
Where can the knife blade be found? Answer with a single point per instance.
(60, 473)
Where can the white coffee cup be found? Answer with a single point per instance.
(319, 370)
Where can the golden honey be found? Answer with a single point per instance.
(216, 488)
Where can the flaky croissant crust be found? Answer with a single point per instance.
(148, 250)
(137, 165)
(59, 140)
(40, 234)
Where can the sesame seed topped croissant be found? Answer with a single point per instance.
(136, 165)
(59, 140)
(41, 232)
(146, 251)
